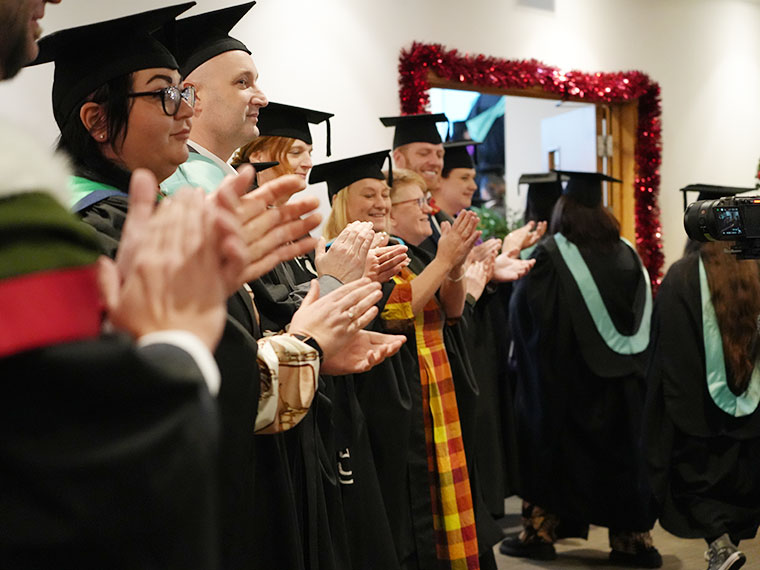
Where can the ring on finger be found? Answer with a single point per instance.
(351, 314)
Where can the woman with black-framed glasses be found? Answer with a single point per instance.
(119, 108)
(171, 97)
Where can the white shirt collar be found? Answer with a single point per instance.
(210, 155)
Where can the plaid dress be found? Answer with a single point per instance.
(453, 514)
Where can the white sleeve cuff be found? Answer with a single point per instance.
(193, 346)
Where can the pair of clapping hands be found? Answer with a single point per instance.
(494, 260)
(179, 261)
(358, 252)
(361, 260)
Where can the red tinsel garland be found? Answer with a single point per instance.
(483, 71)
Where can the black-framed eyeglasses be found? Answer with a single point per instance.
(422, 201)
(171, 97)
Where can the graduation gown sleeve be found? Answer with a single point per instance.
(107, 449)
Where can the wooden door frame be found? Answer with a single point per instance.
(634, 109)
(622, 119)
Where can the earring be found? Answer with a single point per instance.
(102, 136)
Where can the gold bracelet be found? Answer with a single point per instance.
(458, 279)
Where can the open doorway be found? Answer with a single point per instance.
(519, 135)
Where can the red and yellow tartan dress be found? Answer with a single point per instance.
(453, 514)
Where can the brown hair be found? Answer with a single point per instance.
(277, 147)
(591, 227)
(735, 294)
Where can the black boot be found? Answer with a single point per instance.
(535, 550)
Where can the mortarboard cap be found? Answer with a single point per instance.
(202, 37)
(87, 57)
(585, 187)
(415, 128)
(540, 178)
(259, 166)
(544, 190)
(457, 156)
(341, 173)
(711, 192)
(278, 120)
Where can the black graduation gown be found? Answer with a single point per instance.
(578, 404)
(344, 519)
(390, 397)
(257, 502)
(107, 459)
(488, 342)
(279, 293)
(704, 464)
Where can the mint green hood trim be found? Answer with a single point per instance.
(81, 187)
(619, 343)
(715, 365)
(196, 171)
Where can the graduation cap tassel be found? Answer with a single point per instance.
(390, 170)
(329, 138)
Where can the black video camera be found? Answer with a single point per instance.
(730, 218)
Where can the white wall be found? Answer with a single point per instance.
(342, 56)
(573, 135)
(528, 139)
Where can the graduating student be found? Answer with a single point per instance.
(702, 427)
(118, 108)
(287, 523)
(284, 137)
(580, 323)
(220, 67)
(457, 185)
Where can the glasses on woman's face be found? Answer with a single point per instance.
(422, 201)
(171, 97)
